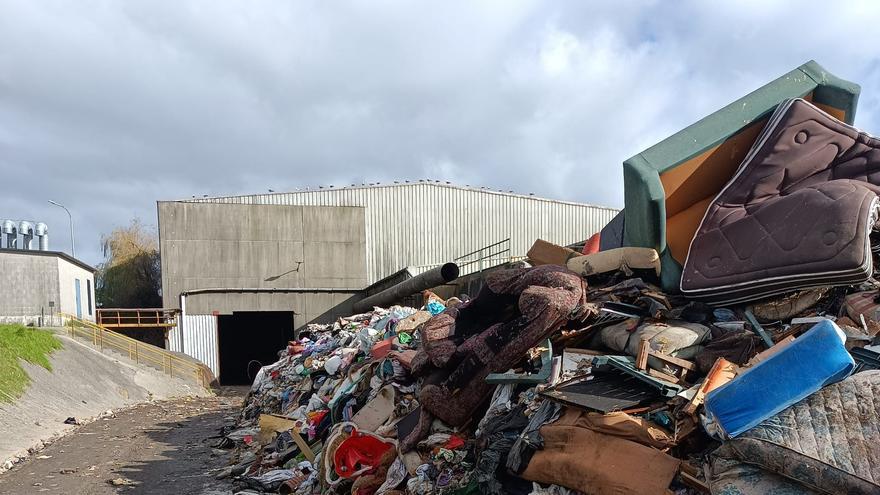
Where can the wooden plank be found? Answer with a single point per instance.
(273, 423)
(588, 352)
(663, 376)
(681, 363)
(693, 482)
(642, 358)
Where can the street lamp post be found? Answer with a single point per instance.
(70, 217)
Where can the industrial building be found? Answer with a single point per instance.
(40, 284)
(247, 271)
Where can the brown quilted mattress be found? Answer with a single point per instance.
(798, 212)
(826, 443)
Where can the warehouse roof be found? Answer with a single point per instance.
(396, 184)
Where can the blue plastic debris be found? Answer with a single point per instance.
(435, 308)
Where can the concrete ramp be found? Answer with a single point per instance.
(174, 364)
(84, 383)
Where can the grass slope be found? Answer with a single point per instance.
(19, 342)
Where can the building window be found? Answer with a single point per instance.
(89, 296)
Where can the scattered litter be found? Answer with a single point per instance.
(121, 482)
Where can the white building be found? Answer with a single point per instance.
(38, 285)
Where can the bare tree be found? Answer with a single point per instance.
(130, 275)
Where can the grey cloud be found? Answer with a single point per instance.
(108, 106)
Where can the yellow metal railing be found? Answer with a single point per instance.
(158, 318)
(137, 351)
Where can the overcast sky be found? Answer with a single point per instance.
(109, 106)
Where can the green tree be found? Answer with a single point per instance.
(130, 275)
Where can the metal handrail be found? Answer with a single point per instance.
(485, 255)
(136, 318)
(503, 259)
(480, 251)
(138, 351)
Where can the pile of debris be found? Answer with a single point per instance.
(550, 381)
(582, 372)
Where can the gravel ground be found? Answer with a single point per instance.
(164, 447)
(83, 383)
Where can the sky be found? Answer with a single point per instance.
(110, 106)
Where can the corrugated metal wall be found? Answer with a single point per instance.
(427, 223)
(199, 340)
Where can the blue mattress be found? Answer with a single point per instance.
(814, 360)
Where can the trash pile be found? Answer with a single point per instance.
(550, 381)
(577, 372)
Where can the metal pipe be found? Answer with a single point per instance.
(438, 276)
(26, 229)
(11, 231)
(42, 231)
(181, 321)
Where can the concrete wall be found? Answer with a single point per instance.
(425, 224)
(68, 274)
(40, 284)
(259, 246)
(308, 307)
(29, 284)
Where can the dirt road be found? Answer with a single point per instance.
(156, 448)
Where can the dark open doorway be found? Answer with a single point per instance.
(246, 336)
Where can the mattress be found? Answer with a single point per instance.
(826, 443)
(815, 359)
(798, 212)
(668, 187)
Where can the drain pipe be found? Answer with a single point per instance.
(181, 325)
(443, 274)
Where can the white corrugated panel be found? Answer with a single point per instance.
(199, 340)
(428, 223)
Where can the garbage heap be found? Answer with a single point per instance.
(755, 371)
(576, 375)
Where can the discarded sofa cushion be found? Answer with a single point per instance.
(827, 443)
(595, 463)
(676, 338)
(815, 359)
(547, 253)
(624, 259)
(797, 214)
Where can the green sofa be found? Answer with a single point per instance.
(668, 187)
